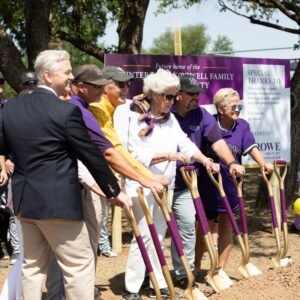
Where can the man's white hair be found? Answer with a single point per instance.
(160, 81)
(49, 60)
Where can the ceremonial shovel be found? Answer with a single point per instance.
(144, 253)
(191, 293)
(213, 278)
(156, 243)
(280, 258)
(246, 269)
(251, 270)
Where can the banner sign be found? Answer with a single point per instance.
(263, 85)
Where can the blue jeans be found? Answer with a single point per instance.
(184, 211)
(104, 243)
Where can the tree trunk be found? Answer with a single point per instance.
(37, 29)
(11, 63)
(291, 183)
(131, 25)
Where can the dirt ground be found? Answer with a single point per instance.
(274, 283)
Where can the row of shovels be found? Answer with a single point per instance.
(214, 278)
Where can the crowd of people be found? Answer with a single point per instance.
(72, 145)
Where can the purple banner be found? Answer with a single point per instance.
(212, 72)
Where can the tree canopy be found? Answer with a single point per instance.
(195, 41)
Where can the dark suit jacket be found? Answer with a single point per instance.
(46, 136)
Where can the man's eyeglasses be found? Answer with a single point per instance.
(122, 85)
(168, 97)
(234, 107)
(30, 82)
(2, 81)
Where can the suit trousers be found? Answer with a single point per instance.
(92, 214)
(69, 241)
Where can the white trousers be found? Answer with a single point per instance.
(135, 267)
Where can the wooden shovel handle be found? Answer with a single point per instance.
(280, 164)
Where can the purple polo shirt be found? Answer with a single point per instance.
(91, 123)
(201, 127)
(240, 141)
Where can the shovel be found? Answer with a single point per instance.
(144, 253)
(192, 292)
(213, 278)
(279, 260)
(156, 242)
(243, 269)
(251, 269)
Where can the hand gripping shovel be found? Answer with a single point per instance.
(191, 292)
(213, 278)
(278, 260)
(250, 268)
(144, 253)
(156, 242)
(244, 271)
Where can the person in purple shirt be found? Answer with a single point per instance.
(202, 129)
(238, 136)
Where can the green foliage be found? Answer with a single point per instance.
(84, 18)
(13, 20)
(194, 42)
(222, 43)
(8, 91)
(165, 5)
(79, 57)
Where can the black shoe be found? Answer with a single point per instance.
(131, 296)
(146, 283)
(164, 293)
(183, 283)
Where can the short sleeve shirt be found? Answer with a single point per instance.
(94, 130)
(202, 129)
(240, 141)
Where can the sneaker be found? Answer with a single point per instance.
(14, 258)
(131, 296)
(164, 293)
(109, 253)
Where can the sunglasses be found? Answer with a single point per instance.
(31, 82)
(94, 85)
(192, 94)
(168, 97)
(236, 106)
(122, 85)
(2, 81)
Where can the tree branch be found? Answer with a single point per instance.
(272, 25)
(258, 22)
(11, 64)
(83, 45)
(286, 10)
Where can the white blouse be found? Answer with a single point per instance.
(164, 138)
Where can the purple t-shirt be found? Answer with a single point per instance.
(201, 127)
(240, 141)
(91, 123)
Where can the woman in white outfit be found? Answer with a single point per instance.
(157, 141)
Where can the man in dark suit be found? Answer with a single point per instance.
(46, 136)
